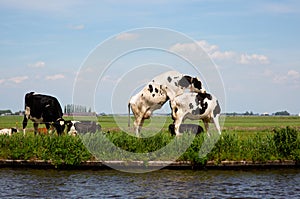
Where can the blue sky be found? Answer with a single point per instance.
(255, 45)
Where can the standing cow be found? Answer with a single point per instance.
(43, 109)
(157, 92)
(195, 106)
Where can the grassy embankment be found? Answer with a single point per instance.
(243, 138)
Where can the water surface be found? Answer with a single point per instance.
(30, 183)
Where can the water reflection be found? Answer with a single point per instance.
(28, 183)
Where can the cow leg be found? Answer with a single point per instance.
(25, 120)
(216, 122)
(36, 127)
(177, 124)
(206, 126)
(47, 124)
(137, 125)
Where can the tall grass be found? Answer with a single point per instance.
(241, 140)
(58, 149)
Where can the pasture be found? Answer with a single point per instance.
(251, 138)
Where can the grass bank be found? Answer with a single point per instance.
(243, 139)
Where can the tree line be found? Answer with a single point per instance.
(73, 108)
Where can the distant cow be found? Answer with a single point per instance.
(193, 128)
(158, 91)
(75, 127)
(43, 109)
(195, 106)
(8, 131)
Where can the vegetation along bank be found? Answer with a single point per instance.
(244, 139)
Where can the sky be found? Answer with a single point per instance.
(253, 48)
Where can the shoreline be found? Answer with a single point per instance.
(172, 165)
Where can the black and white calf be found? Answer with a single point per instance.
(195, 106)
(8, 131)
(193, 128)
(159, 90)
(75, 127)
(43, 109)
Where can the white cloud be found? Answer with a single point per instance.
(38, 64)
(293, 74)
(2, 81)
(212, 50)
(215, 53)
(290, 77)
(18, 79)
(76, 27)
(253, 59)
(127, 36)
(55, 77)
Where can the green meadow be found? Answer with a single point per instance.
(249, 138)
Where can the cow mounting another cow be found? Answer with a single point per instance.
(157, 92)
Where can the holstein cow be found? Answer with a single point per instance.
(195, 106)
(75, 127)
(9, 131)
(151, 98)
(193, 128)
(157, 92)
(43, 109)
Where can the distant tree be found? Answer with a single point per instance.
(282, 113)
(74, 108)
(5, 112)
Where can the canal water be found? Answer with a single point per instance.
(30, 183)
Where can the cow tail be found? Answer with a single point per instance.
(129, 114)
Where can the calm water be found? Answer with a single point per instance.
(28, 183)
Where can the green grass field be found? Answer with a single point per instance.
(231, 123)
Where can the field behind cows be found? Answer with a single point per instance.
(251, 138)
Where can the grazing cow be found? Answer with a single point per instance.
(193, 128)
(157, 92)
(75, 127)
(43, 109)
(9, 131)
(195, 106)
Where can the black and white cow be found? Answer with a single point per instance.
(151, 98)
(157, 92)
(8, 131)
(43, 109)
(75, 127)
(195, 106)
(193, 128)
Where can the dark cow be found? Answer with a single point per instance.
(75, 127)
(193, 128)
(159, 90)
(43, 109)
(196, 106)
